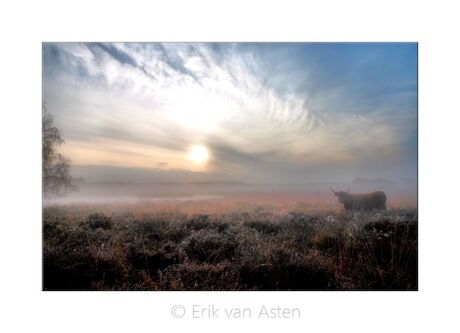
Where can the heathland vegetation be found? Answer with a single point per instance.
(253, 247)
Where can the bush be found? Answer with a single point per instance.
(153, 261)
(99, 221)
(201, 276)
(387, 255)
(263, 227)
(198, 222)
(80, 270)
(152, 229)
(308, 272)
(210, 246)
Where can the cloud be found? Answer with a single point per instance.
(285, 109)
(119, 55)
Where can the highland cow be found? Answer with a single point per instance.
(364, 201)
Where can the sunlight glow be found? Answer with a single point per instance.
(198, 154)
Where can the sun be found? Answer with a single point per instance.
(198, 154)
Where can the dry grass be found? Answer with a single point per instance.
(228, 246)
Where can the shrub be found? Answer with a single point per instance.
(99, 221)
(151, 228)
(153, 261)
(210, 246)
(263, 226)
(386, 255)
(285, 272)
(201, 276)
(80, 270)
(198, 222)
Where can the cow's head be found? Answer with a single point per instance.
(342, 195)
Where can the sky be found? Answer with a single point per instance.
(247, 112)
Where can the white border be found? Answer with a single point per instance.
(25, 24)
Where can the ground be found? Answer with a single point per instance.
(240, 246)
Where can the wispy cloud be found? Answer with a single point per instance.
(275, 110)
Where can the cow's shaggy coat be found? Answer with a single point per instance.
(364, 201)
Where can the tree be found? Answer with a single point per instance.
(56, 177)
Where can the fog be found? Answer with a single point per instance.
(130, 193)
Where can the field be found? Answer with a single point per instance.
(231, 244)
